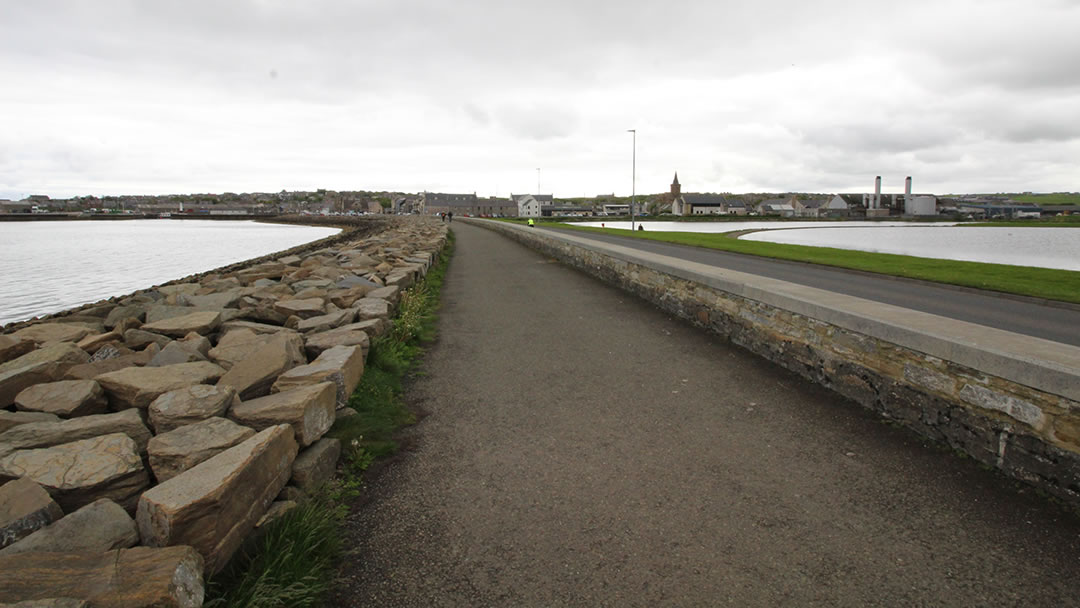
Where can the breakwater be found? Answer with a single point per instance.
(157, 430)
(1011, 402)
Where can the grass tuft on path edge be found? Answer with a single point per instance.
(292, 563)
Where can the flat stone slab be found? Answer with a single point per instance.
(309, 410)
(342, 365)
(390, 293)
(45, 364)
(202, 323)
(327, 321)
(213, 505)
(78, 473)
(50, 433)
(304, 308)
(98, 527)
(189, 405)
(315, 344)
(10, 420)
(139, 386)
(54, 332)
(259, 328)
(66, 398)
(140, 577)
(253, 375)
(25, 507)
(178, 450)
(140, 338)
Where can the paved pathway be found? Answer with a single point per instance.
(581, 448)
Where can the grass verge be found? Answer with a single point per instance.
(1047, 283)
(293, 561)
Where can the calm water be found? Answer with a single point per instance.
(734, 226)
(52, 266)
(1042, 247)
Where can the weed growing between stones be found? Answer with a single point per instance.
(293, 561)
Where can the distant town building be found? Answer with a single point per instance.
(703, 204)
(528, 205)
(434, 203)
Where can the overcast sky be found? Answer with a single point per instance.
(155, 97)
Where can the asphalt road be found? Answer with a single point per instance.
(1056, 322)
(582, 448)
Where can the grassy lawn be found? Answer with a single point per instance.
(1051, 284)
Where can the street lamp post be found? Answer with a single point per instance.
(538, 181)
(633, 180)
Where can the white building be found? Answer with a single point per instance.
(527, 205)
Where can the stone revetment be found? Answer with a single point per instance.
(142, 438)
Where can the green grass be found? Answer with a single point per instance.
(289, 565)
(1048, 283)
(293, 563)
(1057, 198)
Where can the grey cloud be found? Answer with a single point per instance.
(537, 121)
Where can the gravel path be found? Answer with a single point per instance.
(581, 448)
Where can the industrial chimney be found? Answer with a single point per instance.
(907, 186)
(877, 193)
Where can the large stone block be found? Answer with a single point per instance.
(253, 375)
(66, 398)
(13, 347)
(100, 526)
(139, 386)
(120, 313)
(177, 352)
(25, 507)
(309, 410)
(140, 577)
(139, 338)
(371, 308)
(93, 369)
(315, 344)
(43, 365)
(54, 332)
(202, 323)
(316, 465)
(304, 308)
(13, 419)
(390, 293)
(180, 449)
(80, 472)
(189, 405)
(238, 343)
(48, 434)
(342, 365)
(327, 321)
(259, 328)
(214, 505)
(96, 342)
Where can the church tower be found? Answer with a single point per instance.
(676, 188)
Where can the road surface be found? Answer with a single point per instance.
(1054, 321)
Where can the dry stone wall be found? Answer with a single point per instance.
(1010, 402)
(160, 428)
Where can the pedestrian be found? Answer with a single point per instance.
(442, 216)
(531, 223)
(450, 217)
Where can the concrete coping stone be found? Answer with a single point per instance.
(1052, 367)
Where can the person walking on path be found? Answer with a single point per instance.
(450, 217)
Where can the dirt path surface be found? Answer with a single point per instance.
(582, 448)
